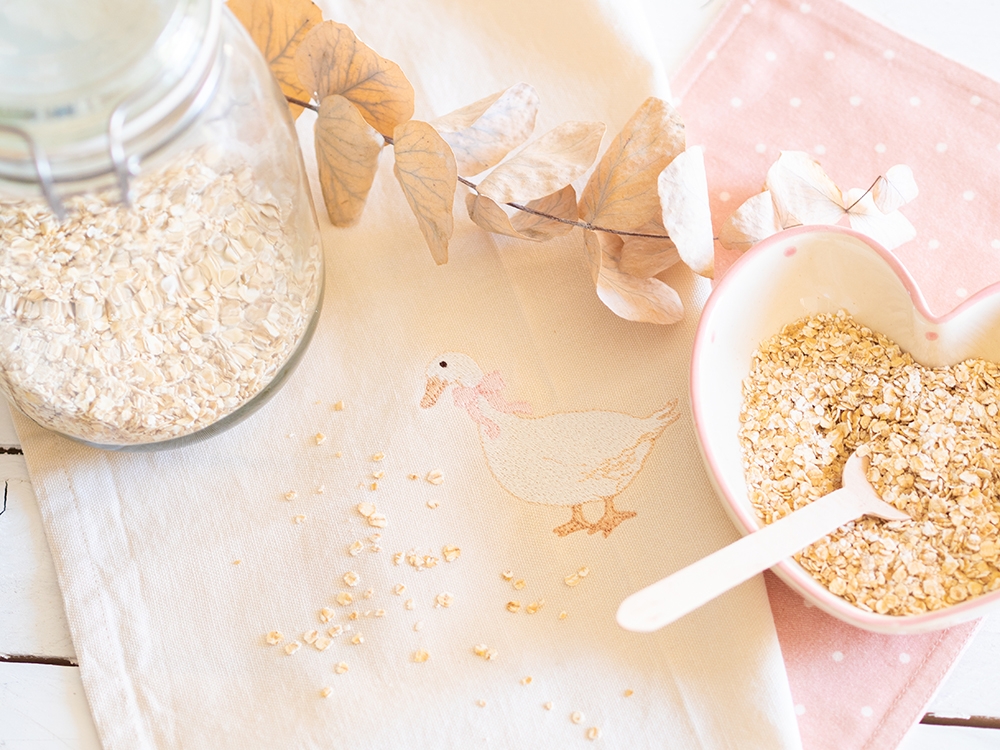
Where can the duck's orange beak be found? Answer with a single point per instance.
(435, 387)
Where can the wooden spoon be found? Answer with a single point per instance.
(674, 596)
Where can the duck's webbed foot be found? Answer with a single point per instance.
(611, 518)
(576, 523)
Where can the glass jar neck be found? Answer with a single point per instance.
(89, 132)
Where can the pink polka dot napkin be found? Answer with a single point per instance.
(780, 75)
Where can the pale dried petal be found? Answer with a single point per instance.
(332, 60)
(802, 191)
(484, 132)
(896, 188)
(621, 193)
(278, 29)
(889, 230)
(487, 214)
(753, 221)
(683, 190)
(347, 150)
(426, 171)
(546, 165)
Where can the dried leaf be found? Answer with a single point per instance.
(683, 191)
(546, 165)
(889, 230)
(644, 257)
(621, 193)
(347, 150)
(802, 192)
(425, 168)
(484, 132)
(332, 60)
(753, 221)
(896, 188)
(491, 216)
(640, 300)
(278, 27)
(561, 204)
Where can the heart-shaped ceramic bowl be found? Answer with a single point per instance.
(787, 277)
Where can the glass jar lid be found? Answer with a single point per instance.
(90, 88)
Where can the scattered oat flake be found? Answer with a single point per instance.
(325, 614)
(398, 589)
(321, 643)
(341, 668)
(485, 652)
(320, 438)
(237, 562)
(507, 575)
(351, 578)
(378, 474)
(310, 636)
(292, 647)
(325, 692)
(513, 606)
(563, 615)
(526, 680)
(338, 454)
(418, 625)
(353, 616)
(547, 705)
(380, 613)
(377, 520)
(339, 406)
(378, 456)
(410, 604)
(358, 639)
(373, 486)
(534, 606)
(576, 717)
(432, 504)
(629, 693)
(366, 509)
(481, 703)
(519, 584)
(291, 495)
(593, 733)
(413, 476)
(336, 630)
(435, 476)
(275, 637)
(355, 548)
(374, 538)
(420, 656)
(451, 553)
(397, 557)
(321, 489)
(344, 598)
(444, 599)
(300, 518)
(369, 593)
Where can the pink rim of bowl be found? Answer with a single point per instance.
(836, 268)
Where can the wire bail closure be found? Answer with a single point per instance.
(43, 169)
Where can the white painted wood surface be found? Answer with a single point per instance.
(43, 706)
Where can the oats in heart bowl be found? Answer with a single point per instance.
(817, 344)
(826, 387)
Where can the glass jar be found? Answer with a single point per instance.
(160, 263)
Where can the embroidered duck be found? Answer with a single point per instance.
(569, 458)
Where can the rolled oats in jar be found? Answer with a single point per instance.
(160, 264)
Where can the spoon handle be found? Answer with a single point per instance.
(676, 595)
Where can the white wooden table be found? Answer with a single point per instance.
(42, 704)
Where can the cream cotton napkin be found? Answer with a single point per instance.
(170, 633)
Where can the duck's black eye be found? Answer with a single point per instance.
(442, 363)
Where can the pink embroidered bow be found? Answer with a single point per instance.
(490, 388)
